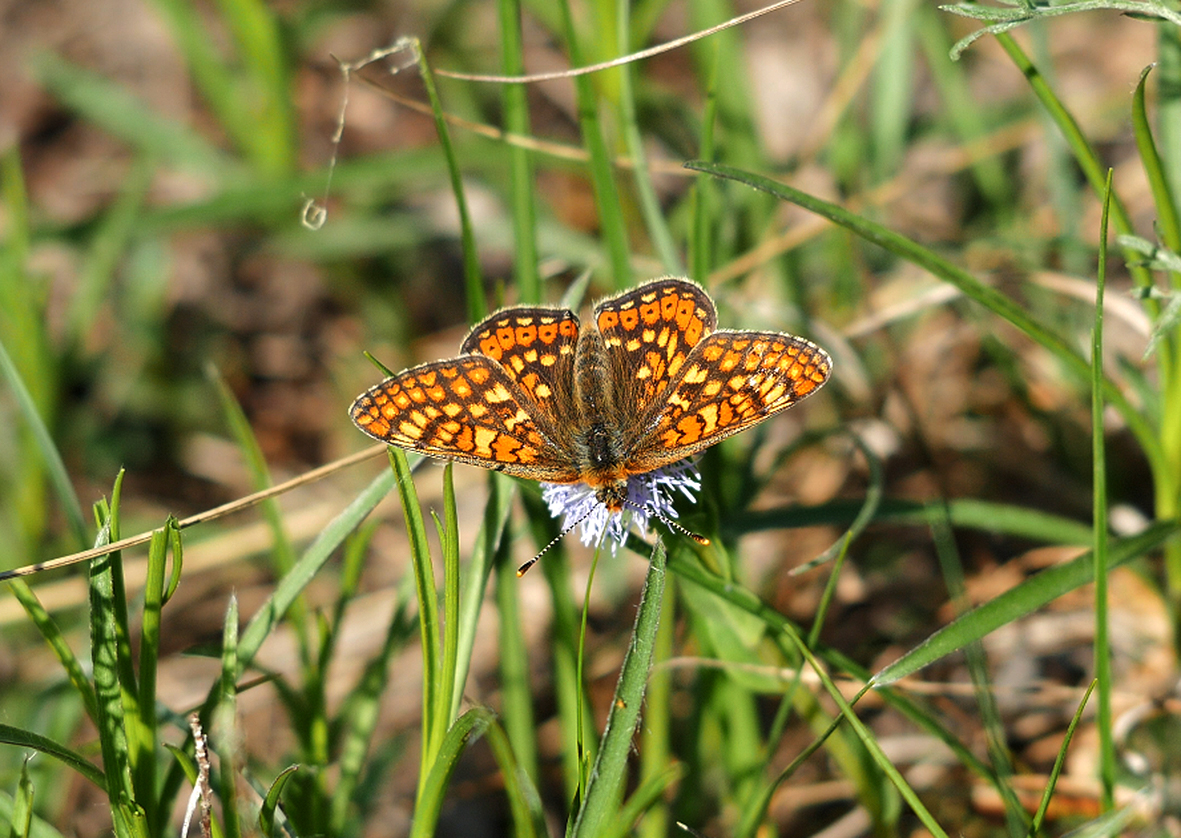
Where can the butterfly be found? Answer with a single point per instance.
(533, 394)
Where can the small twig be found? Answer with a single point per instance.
(200, 518)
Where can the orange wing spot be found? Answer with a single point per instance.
(669, 306)
(608, 320)
(650, 312)
(712, 353)
(400, 400)
(526, 335)
(465, 441)
(505, 448)
(805, 386)
(690, 429)
(417, 395)
(506, 337)
(629, 319)
(437, 394)
(479, 375)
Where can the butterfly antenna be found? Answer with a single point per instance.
(668, 522)
(525, 567)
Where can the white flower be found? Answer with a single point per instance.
(649, 496)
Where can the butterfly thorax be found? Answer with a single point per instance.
(597, 439)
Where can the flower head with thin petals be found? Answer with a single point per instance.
(649, 495)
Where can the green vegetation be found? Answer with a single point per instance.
(875, 638)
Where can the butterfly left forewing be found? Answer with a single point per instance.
(730, 382)
(466, 409)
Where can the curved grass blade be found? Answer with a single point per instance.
(964, 512)
(471, 725)
(10, 735)
(270, 803)
(1027, 597)
(49, 454)
(993, 300)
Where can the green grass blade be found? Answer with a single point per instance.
(52, 634)
(270, 802)
(10, 735)
(282, 553)
(1084, 154)
(449, 684)
(1035, 825)
(50, 456)
(109, 646)
(149, 653)
(1102, 649)
(990, 298)
(266, 127)
(610, 768)
(516, 705)
(468, 727)
(313, 558)
(428, 614)
(1000, 518)
(602, 169)
(519, 788)
(490, 542)
(360, 715)
(1168, 224)
(870, 743)
(224, 724)
(893, 88)
(1027, 597)
(471, 263)
(656, 734)
(20, 820)
(116, 111)
(522, 197)
(653, 213)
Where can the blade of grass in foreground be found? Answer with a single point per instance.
(610, 768)
(1099, 481)
(974, 289)
(1033, 593)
